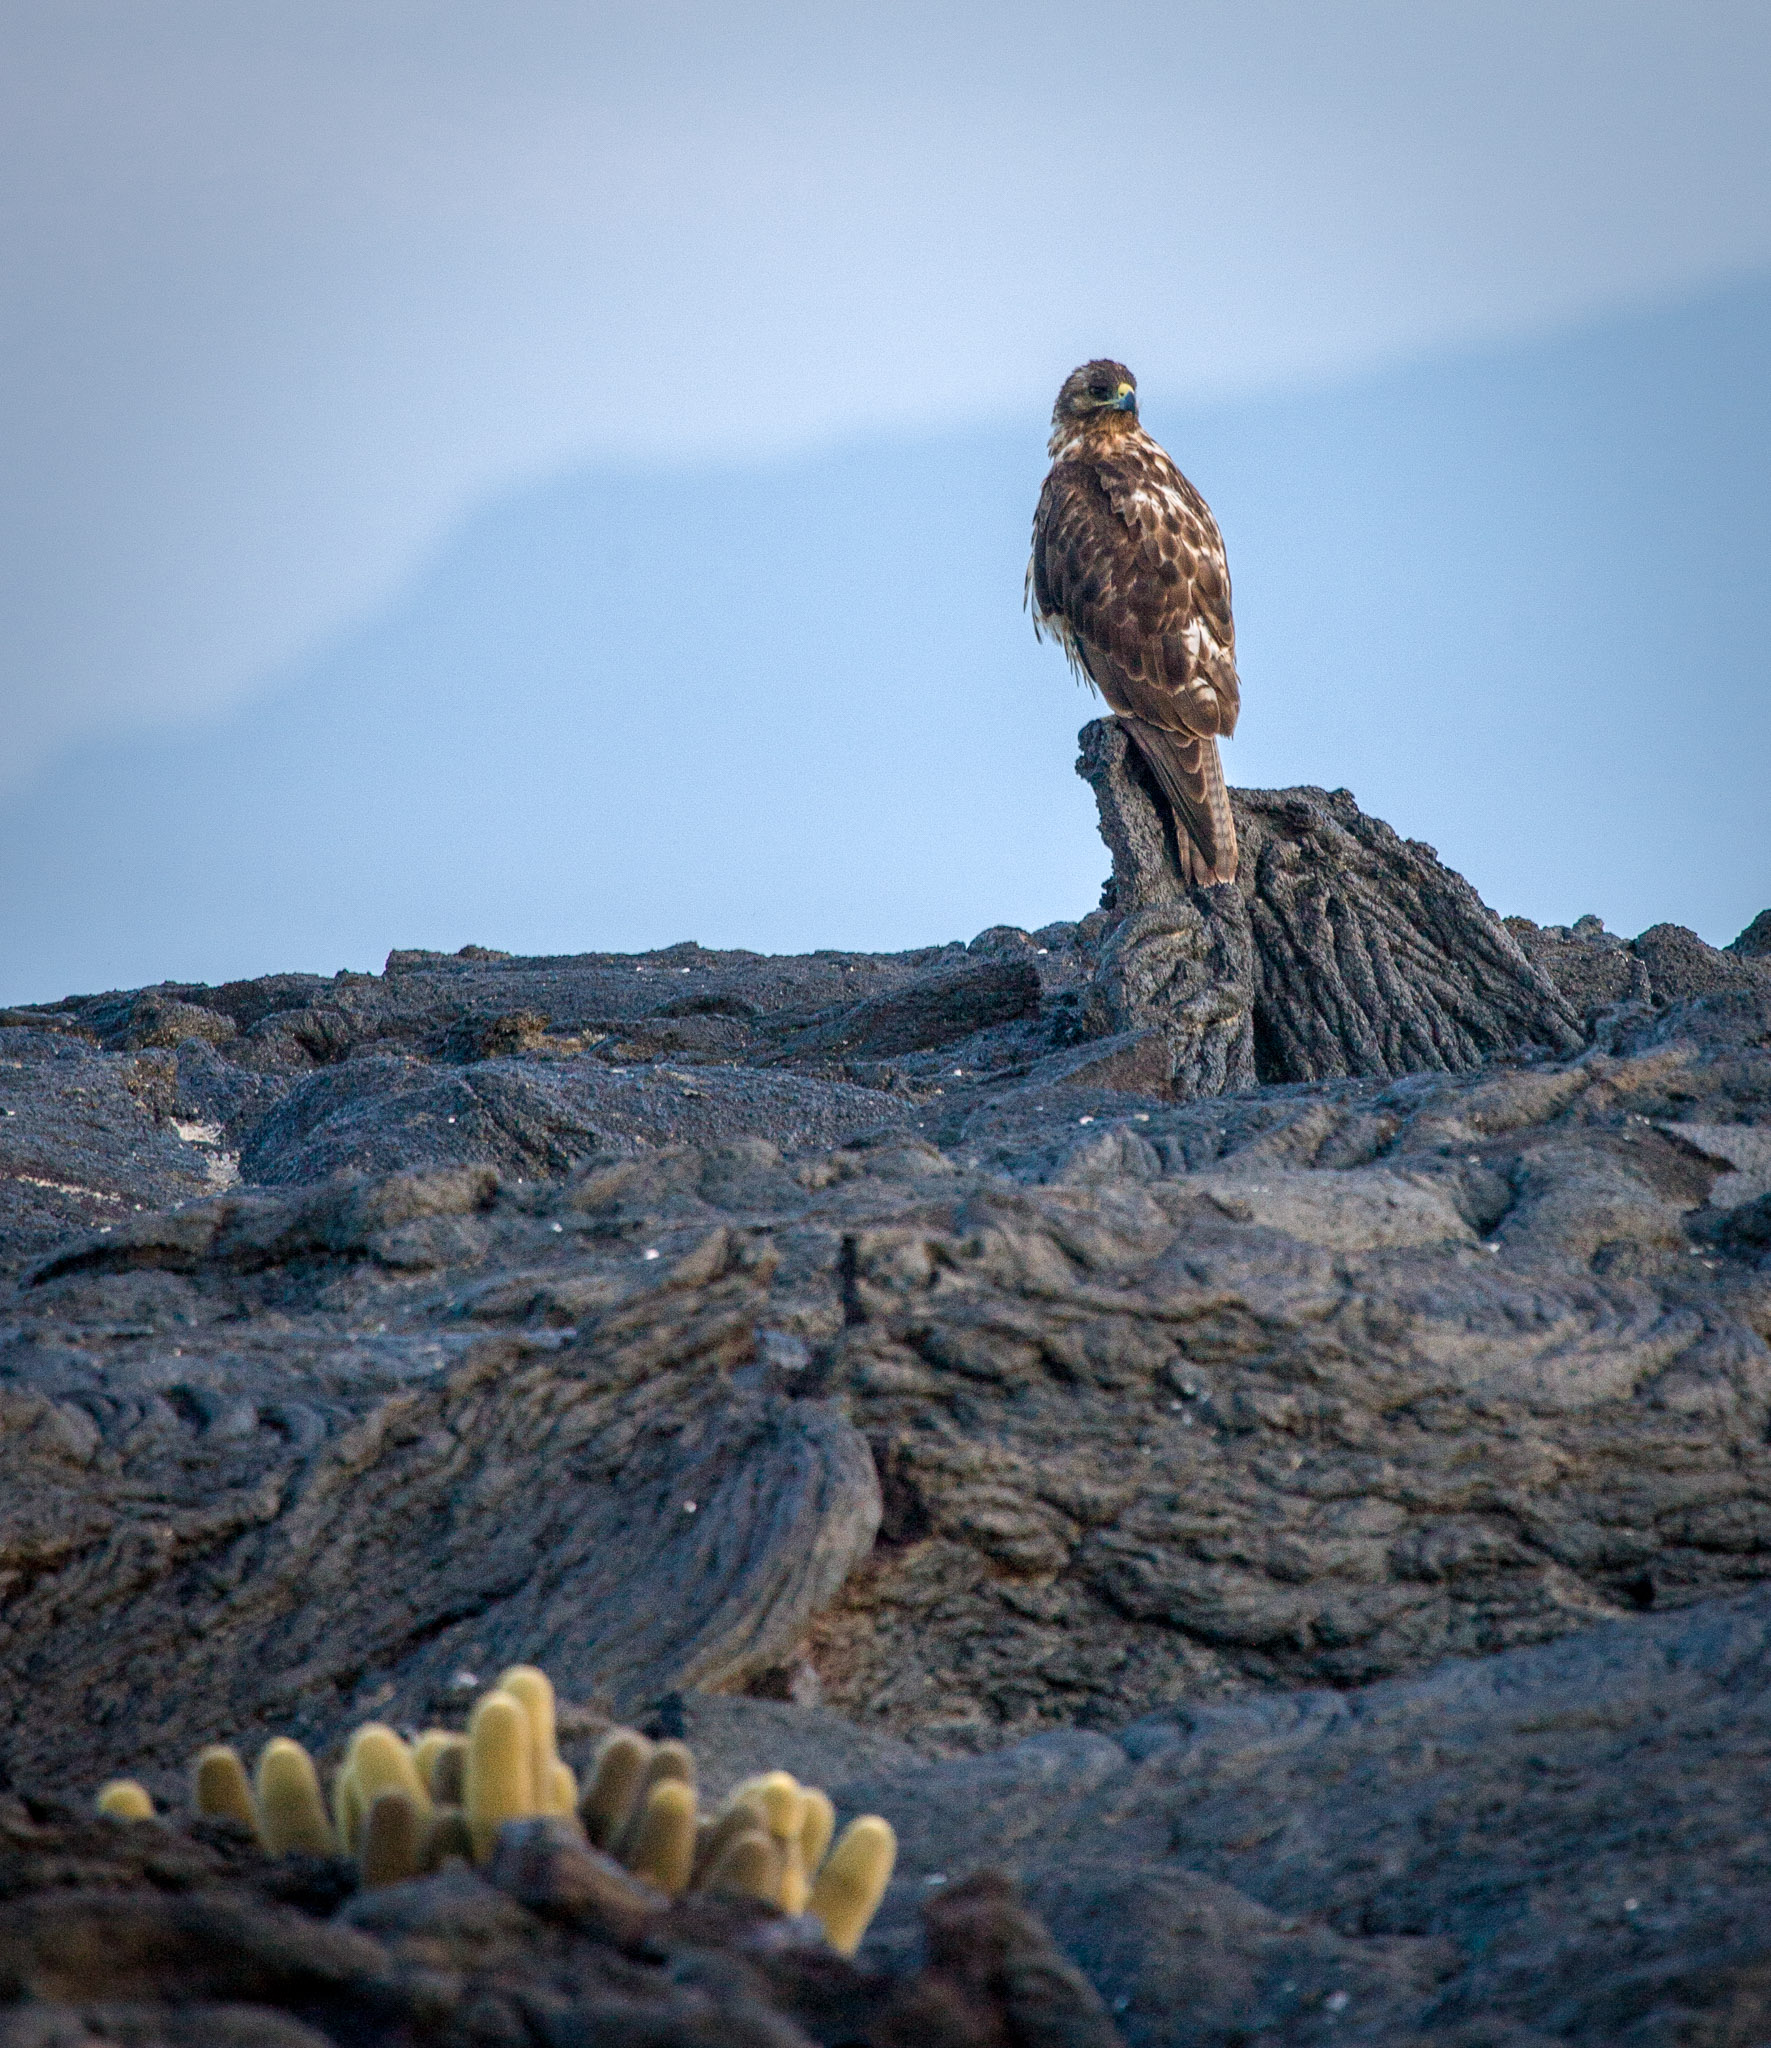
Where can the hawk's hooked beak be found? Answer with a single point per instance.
(1127, 399)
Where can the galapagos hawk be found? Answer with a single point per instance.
(1128, 572)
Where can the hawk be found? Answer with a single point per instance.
(1128, 573)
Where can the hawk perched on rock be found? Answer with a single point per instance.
(1128, 572)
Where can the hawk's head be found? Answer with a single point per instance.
(1098, 391)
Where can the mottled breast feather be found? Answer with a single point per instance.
(1128, 572)
(1129, 569)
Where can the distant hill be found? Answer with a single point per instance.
(1518, 601)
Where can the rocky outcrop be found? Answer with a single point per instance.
(1227, 1296)
(687, 1531)
(1554, 1844)
(1755, 942)
(1340, 950)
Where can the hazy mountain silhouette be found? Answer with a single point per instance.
(1516, 600)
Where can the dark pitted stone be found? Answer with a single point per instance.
(1680, 966)
(549, 1867)
(1755, 942)
(1342, 949)
(1594, 971)
(932, 1011)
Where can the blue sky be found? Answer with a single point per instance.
(300, 298)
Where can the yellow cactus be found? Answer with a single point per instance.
(817, 1828)
(614, 1790)
(561, 1789)
(748, 1864)
(670, 1763)
(381, 1762)
(713, 1836)
(778, 1799)
(375, 1760)
(500, 1769)
(291, 1813)
(803, 1852)
(223, 1790)
(796, 1885)
(124, 1799)
(847, 1891)
(780, 1803)
(428, 1754)
(346, 1806)
(447, 1835)
(393, 1837)
(670, 1759)
(408, 1808)
(663, 1850)
(525, 1683)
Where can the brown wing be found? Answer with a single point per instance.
(1128, 565)
(1073, 568)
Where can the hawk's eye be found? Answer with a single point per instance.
(1100, 391)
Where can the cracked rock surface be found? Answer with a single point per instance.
(1165, 1399)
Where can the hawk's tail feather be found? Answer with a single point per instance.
(1190, 774)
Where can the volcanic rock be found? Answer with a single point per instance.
(1250, 1408)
